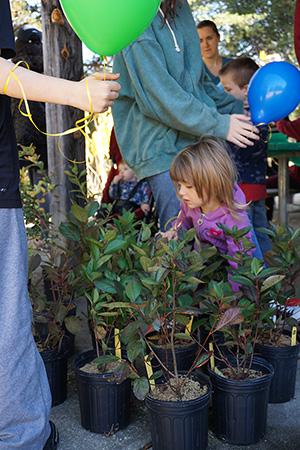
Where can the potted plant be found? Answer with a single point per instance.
(50, 315)
(278, 344)
(240, 381)
(54, 324)
(170, 273)
(107, 282)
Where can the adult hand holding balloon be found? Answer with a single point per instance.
(108, 26)
(274, 92)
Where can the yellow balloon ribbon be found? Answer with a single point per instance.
(80, 124)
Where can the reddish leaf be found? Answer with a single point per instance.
(232, 316)
(293, 302)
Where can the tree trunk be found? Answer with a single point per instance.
(62, 58)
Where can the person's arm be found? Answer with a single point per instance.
(43, 88)
(145, 193)
(290, 128)
(171, 105)
(114, 191)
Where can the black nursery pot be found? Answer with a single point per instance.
(240, 406)
(56, 364)
(179, 425)
(284, 361)
(185, 356)
(104, 406)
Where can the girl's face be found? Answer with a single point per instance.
(209, 42)
(188, 195)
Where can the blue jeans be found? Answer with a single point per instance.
(258, 217)
(25, 399)
(167, 203)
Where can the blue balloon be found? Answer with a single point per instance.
(274, 92)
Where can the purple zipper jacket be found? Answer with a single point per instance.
(206, 225)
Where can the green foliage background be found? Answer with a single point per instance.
(249, 26)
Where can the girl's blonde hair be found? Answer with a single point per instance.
(207, 166)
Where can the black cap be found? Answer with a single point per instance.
(28, 34)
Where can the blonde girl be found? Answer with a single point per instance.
(205, 179)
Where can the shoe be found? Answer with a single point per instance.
(53, 439)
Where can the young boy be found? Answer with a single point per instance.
(251, 162)
(128, 192)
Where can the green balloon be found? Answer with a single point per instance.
(108, 26)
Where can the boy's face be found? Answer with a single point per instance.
(127, 173)
(232, 87)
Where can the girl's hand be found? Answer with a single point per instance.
(170, 234)
(103, 90)
(241, 131)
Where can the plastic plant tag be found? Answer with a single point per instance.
(149, 370)
(118, 351)
(188, 328)
(294, 336)
(212, 358)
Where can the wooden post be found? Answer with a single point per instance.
(62, 58)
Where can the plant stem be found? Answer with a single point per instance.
(174, 325)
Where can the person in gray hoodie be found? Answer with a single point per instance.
(167, 102)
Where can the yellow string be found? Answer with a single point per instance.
(80, 124)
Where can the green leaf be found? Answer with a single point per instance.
(135, 349)
(141, 388)
(103, 260)
(146, 233)
(92, 208)
(70, 232)
(267, 231)
(146, 263)
(183, 336)
(271, 281)
(256, 266)
(118, 305)
(202, 360)
(133, 290)
(122, 263)
(139, 250)
(185, 300)
(130, 331)
(61, 314)
(73, 324)
(296, 235)
(79, 212)
(115, 246)
(106, 286)
(105, 359)
(240, 279)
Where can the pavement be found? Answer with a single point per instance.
(283, 430)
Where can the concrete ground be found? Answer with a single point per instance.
(283, 431)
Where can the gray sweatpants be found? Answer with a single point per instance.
(25, 399)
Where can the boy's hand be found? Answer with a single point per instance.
(145, 208)
(117, 178)
(241, 131)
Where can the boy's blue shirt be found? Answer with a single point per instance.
(251, 162)
(167, 100)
